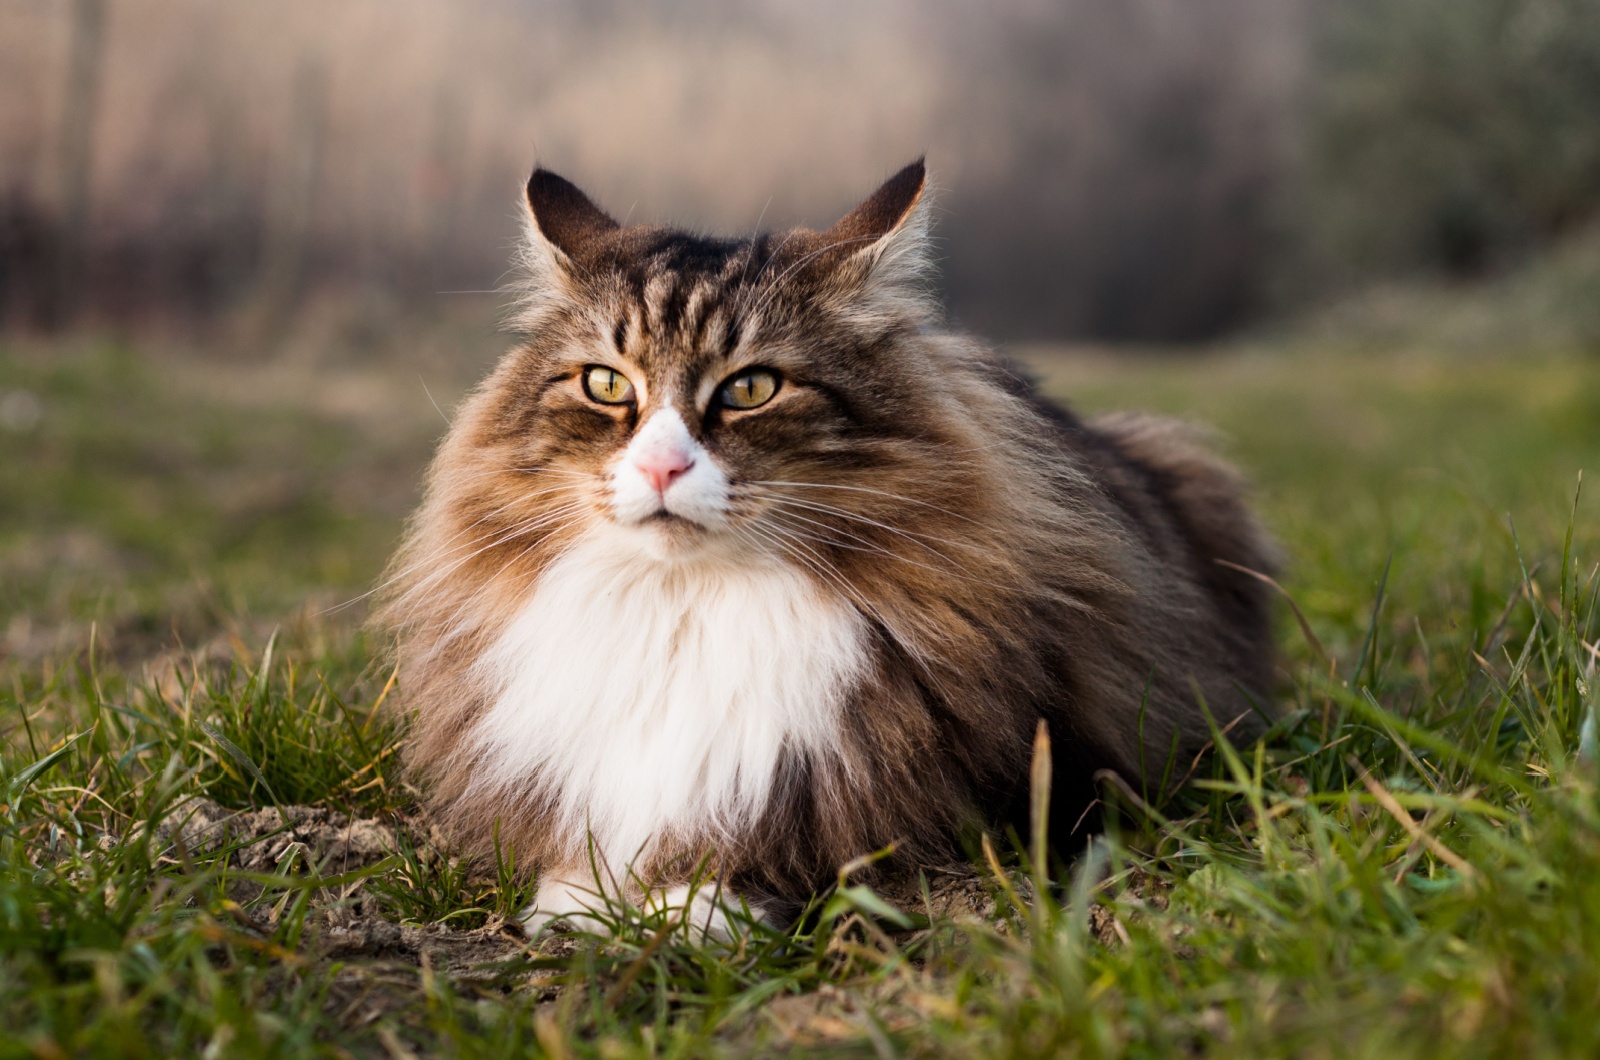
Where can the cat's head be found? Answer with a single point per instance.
(675, 388)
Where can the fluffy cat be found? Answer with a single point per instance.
(741, 563)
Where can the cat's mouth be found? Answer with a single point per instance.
(672, 526)
(667, 536)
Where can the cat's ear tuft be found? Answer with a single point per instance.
(881, 255)
(564, 215)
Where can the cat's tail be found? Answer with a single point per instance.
(1205, 498)
(1207, 494)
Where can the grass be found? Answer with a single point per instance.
(1409, 865)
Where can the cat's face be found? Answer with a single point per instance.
(680, 392)
(679, 440)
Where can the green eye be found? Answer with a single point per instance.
(606, 386)
(749, 389)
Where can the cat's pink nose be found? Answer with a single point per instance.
(661, 467)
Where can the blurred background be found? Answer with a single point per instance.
(1152, 170)
(249, 252)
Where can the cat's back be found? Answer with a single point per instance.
(1188, 530)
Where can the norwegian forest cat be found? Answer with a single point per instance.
(740, 564)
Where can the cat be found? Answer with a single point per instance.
(742, 565)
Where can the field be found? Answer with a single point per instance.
(1409, 864)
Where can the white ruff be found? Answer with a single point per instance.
(652, 698)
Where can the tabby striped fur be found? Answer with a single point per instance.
(843, 624)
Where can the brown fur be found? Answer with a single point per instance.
(1014, 562)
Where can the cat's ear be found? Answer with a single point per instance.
(885, 212)
(563, 227)
(879, 251)
(563, 216)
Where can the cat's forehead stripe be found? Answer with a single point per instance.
(679, 304)
(697, 308)
(686, 296)
(692, 309)
(654, 298)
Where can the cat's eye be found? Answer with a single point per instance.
(606, 385)
(750, 389)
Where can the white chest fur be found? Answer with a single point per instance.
(650, 699)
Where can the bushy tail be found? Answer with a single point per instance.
(1206, 499)
(1203, 490)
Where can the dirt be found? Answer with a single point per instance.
(954, 892)
(346, 924)
(324, 839)
(377, 968)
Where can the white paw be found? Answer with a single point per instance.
(565, 900)
(710, 912)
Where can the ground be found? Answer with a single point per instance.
(207, 848)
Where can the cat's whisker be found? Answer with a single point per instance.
(813, 561)
(449, 546)
(779, 515)
(961, 573)
(453, 623)
(490, 582)
(828, 538)
(819, 565)
(831, 576)
(954, 568)
(881, 493)
(862, 545)
(540, 521)
(587, 476)
(824, 508)
(951, 565)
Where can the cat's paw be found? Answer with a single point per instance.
(560, 900)
(709, 911)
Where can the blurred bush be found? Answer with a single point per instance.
(1447, 137)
